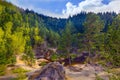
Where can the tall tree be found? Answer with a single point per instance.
(112, 42)
(93, 27)
(66, 41)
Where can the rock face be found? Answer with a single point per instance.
(51, 71)
(86, 72)
(79, 59)
(40, 50)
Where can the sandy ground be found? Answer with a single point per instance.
(86, 72)
(75, 72)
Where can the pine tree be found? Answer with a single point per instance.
(112, 42)
(66, 41)
(93, 27)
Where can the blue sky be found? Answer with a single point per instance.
(64, 8)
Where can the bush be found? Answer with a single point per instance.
(21, 76)
(2, 70)
(73, 56)
(28, 60)
(19, 70)
(54, 57)
(42, 63)
(115, 72)
(114, 77)
(98, 78)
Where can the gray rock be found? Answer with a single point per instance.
(51, 71)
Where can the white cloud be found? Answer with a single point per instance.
(48, 13)
(45, 12)
(30, 6)
(86, 5)
(92, 6)
(50, 0)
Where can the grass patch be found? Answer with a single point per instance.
(116, 73)
(42, 63)
(115, 77)
(2, 70)
(98, 78)
(21, 74)
(19, 70)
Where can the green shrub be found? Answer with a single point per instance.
(19, 70)
(54, 57)
(114, 77)
(73, 56)
(2, 70)
(42, 63)
(21, 76)
(98, 78)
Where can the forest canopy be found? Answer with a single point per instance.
(23, 30)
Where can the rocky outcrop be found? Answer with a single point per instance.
(77, 60)
(51, 71)
(42, 51)
(86, 72)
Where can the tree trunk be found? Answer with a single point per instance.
(70, 60)
(68, 52)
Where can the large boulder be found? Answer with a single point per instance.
(51, 71)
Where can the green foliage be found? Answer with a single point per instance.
(112, 41)
(21, 74)
(19, 70)
(18, 42)
(72, 56)
(53, 38)
(2, 48)
(17, 34)
(21, 31)
(55, 57)
(28, 59)
(2, 70)
(92, 39)
(42, 64)
(93, 27)
(36, 37)
(66, 40)
(98, 78)
(0, 9)
(114, 78)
